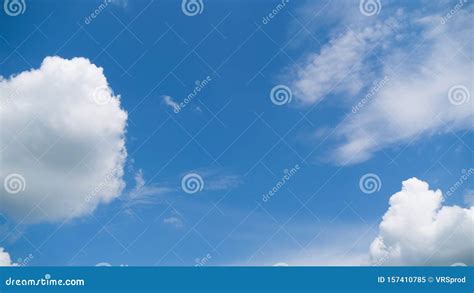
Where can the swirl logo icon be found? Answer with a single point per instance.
(192, 7)
(370, 183)
(459, 95)
(14, 183)
(370, 7)
(281, 95)
(102, 95)
(14, 7)
(192, 183)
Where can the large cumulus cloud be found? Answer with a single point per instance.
(61, 140)
(418, 230)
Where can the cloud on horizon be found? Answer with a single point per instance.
(418, 230)
(5, 260)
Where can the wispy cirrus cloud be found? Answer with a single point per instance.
(175, 220)
(143, 194)
(170, 102)
(420, 99)
(223, 182)
(342, 65)
(428, 64)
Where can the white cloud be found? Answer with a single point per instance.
(415, 101)
(418, 230)
(172, 103)
(422, 58)
(341, 66)
(280, 264)
(143, 194)
(5, 259)
(141, 191)
(63, 132)
(324, 256)
(174, 221)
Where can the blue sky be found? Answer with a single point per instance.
(329, 55)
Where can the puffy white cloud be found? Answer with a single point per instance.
(63, 135)
(418, 230)
(5, 259)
